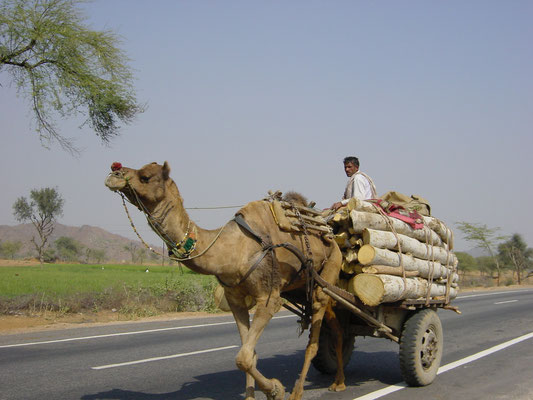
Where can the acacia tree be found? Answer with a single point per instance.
(63, 68)
(45, 206)
(516, 252)
(484, 238)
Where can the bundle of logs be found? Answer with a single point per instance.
(386, 260)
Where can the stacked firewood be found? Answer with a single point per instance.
(386, 260)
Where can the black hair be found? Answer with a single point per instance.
(352, 159)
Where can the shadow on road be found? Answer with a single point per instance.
(363, 367)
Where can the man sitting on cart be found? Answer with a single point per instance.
(359, 184)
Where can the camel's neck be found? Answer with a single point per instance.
(172, 223)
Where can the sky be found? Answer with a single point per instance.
(243, 97)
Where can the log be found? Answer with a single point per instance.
(385, 269)
(370, 255)
(342, 240)
(444, 233)
(388, 240)
(349, 267)
(362, 220)
(441, 229)
(350, 255)
(376, 289)
(341, 218)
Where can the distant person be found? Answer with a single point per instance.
(359, 185)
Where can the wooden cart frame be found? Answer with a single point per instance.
(413, 324)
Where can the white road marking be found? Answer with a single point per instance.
(505, 302)
(394, 388)
(192, 353)
(490, 294)
(130, 333)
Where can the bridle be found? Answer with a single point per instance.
(182, 250)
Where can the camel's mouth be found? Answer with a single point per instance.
(115, 181)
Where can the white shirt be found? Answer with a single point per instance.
(359, 185)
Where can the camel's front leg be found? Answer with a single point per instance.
(247, 359)
(242, 319)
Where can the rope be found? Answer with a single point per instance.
(212, 208)
(158, 230)
(135, 229)
(400, 254)
(207, 248)
(431, 263)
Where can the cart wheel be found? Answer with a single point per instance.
(421, 348)
(325, 360)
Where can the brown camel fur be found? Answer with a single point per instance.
(228, 253)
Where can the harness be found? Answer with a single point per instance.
(305, 312)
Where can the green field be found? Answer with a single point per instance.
(125, 288)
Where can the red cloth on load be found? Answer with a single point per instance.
(413, 218)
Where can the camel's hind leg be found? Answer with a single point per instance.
(247, 359)
(321, 303)
(319, 308)
(333, 322)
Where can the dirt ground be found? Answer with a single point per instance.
(18, 263)
(10, 324)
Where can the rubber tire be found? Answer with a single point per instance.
(325, 360)
(421, 347)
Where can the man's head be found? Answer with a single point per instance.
(351, 165)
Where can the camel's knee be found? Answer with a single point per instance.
(312, 349)
(245, 359)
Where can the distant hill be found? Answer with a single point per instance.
(89, 236)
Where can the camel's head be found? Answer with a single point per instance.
(148, 184)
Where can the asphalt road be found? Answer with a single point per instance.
(488, 354)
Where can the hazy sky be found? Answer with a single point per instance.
(434, 97)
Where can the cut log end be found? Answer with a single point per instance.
(366, 254)
(369, 288)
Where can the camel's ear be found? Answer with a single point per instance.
(166, 170)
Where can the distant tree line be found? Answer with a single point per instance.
(66, 249)
(504, 253)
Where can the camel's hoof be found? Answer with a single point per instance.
(337, 387)
(250, 393)
(278, 393)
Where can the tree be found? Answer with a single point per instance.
(45, 206)
(484, 238)
(132, 249)
(64, 68)
(466, 262)
(141, 255)
(515, 252)
(95, 254)
(9, 248)
(68, 249)
(486, 265)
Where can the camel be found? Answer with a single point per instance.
(243, 260)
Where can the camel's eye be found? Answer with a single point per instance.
(145, 179)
